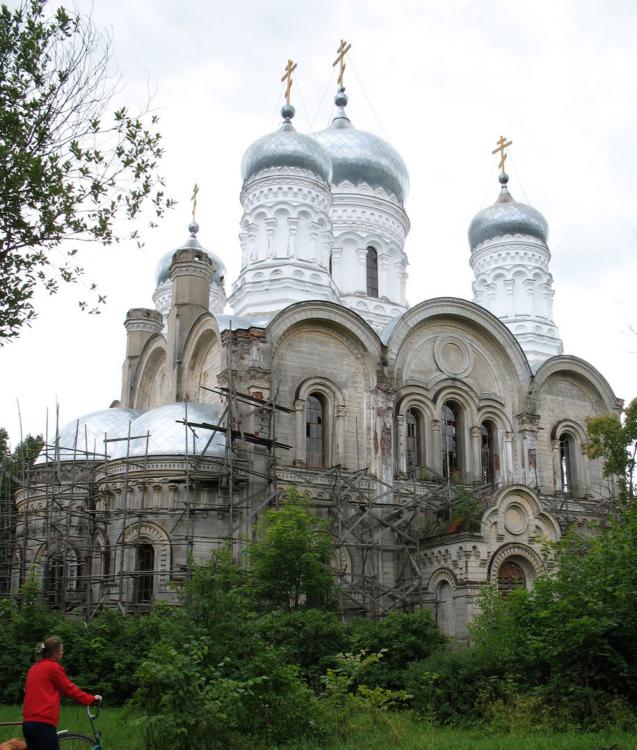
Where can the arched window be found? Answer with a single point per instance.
(566, 462)
(330, 264)
(372, 272)
(488, 459)
(444, 607)
(510, 577)
(144, 578)
(315, 434)
(449, 440)
(413, 445)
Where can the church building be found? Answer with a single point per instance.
(445, 442)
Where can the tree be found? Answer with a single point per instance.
(290, 559)
(615, 441)
(14, 467)
(68, 170)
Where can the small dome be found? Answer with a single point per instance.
(83, 438)
(167, 436)
(286, 148)
(362, 157)
(162, 273)
(507, 217)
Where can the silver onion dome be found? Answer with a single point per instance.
(83, 438)
(167, 435)
(286, 148)
(162, 273)
(362, 157)
(507, 217)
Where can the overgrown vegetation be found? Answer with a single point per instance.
(257, 655)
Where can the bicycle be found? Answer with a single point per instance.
(75, 741)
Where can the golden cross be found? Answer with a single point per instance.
(290, 68)
(195, 190)
(502, 144)
(343, 49)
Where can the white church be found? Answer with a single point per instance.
(445, 442)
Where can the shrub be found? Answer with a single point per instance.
(402, 637)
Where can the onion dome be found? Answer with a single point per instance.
(361, 157)
(83, 438)
(286, 148)
(507, 217)
(168, 436)
(162, 274)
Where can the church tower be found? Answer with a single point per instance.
(369, 184)
(510, 261)
(285, 229)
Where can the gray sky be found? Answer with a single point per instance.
(441, 81)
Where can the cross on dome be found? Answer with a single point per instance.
(193, 198)
(343, 49)
(287, 76)
(502, 144)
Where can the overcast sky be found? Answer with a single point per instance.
(441, 80)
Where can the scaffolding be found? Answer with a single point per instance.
(66, 507)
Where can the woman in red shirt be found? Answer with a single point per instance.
(46, 684)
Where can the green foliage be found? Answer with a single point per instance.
(572, 637)
(402, 638)
(466, 511)
(345, 695)
(68, 169)
(615, 441)
(307, 638)
(189, 703)
(290, 559)
(449, 686)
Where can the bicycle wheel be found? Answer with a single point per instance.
(76, 741)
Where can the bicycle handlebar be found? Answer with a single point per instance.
(93, 711)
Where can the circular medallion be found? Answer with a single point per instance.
(515, 519)
(453, 356)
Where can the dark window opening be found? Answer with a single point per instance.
(315, 431)
(488, 458)
(330, 264)
(144, 574)
(413, 445)
(372, 272)
(54, 581)
(448, 434)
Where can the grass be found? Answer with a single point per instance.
(404, 732)
(121, 730)
(119, 727)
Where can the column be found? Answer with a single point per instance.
(474, 471)
(436, 459)
(339, 434)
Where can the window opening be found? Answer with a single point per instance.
(414, 439)
(566, 462)
(487, 452)
(510, 577)
(372, 272)
(54, 580)
(144, 578)
(315, 431)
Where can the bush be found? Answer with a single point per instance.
(402, 637)
(454, 687)
(308, 638)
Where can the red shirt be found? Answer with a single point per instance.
(46, 684)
